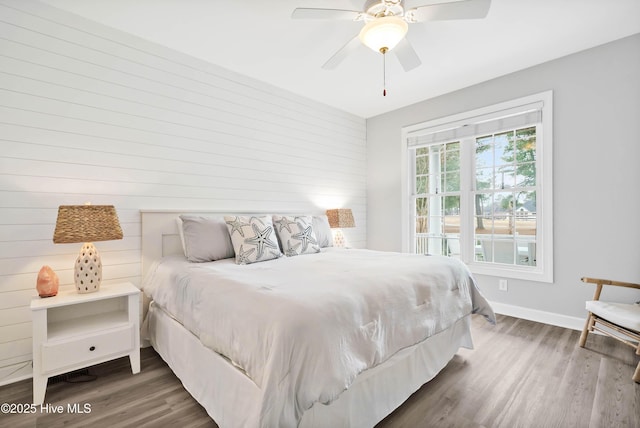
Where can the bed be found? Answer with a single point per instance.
(319, 337)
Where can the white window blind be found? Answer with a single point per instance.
(516, 117)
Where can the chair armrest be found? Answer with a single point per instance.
(610, 282)
(600, 282)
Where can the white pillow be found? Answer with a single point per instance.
(296, 235)
(206, 239)
(322, 231)
(253, 238)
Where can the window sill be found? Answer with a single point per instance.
(527, 273)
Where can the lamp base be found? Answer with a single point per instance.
(87, 272)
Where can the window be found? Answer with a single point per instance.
(436, 199)
(480, 189)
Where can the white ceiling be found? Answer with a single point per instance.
(259, 39)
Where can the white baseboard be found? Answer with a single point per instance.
(551, 318)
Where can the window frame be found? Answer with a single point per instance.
(543, 271)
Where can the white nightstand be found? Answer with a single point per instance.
(72, 331)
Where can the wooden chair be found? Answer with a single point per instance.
(622, 320)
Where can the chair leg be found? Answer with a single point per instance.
(587, 328)
(636, 374)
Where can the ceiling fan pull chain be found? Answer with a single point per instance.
(384, 71)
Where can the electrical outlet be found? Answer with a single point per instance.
(502, 285)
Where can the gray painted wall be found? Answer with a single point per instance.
(596, 172)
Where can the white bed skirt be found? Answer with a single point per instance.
(233, 400)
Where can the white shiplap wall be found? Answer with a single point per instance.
(88, 113)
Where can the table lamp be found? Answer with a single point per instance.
(338, 219)
(87, 223)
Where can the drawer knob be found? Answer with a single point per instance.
(93, 348)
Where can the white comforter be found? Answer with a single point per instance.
(302, 328)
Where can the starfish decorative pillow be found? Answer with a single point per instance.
(254, 238)
(296, 235)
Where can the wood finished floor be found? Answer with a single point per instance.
(521, 374)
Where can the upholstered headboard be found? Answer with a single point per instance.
(160, 236)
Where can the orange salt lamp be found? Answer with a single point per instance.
(47, 284)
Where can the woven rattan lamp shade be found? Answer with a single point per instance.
(86, 223)
(340, 218)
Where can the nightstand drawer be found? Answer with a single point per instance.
(57, 355)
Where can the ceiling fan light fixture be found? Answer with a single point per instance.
(384, 32)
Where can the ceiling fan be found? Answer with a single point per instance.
(386, 23)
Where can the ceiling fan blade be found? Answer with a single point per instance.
(344, 52)
(312, 13)
(464, 9)
(406, 55)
